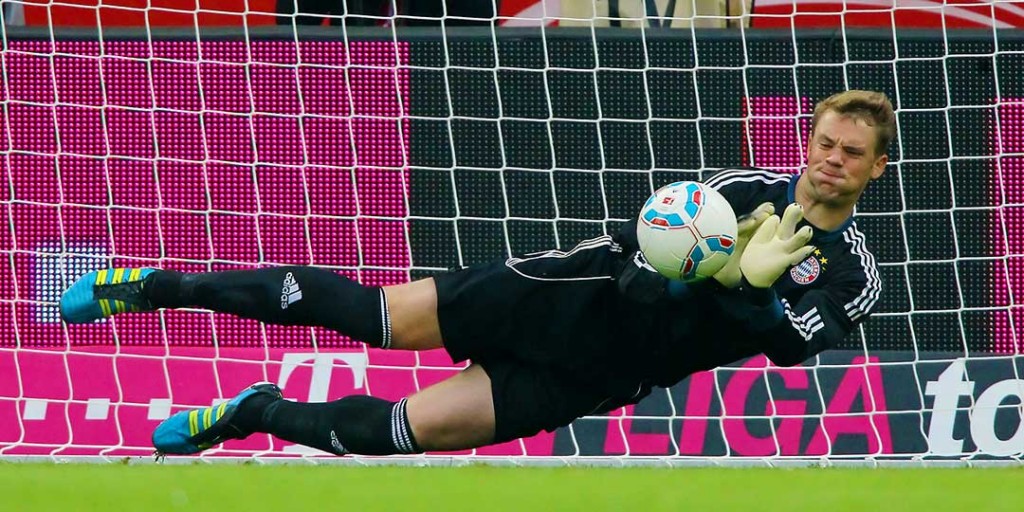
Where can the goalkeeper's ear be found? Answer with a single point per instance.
(878, 169)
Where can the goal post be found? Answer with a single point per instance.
(394, 153)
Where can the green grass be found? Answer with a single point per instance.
(288, 488)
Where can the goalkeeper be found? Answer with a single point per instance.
(557, 335)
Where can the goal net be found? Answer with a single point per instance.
(393, 146)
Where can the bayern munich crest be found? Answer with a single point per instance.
(806, 272)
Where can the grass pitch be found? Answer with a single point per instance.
(230, 487)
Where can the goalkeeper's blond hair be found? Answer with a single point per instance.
(874, 108)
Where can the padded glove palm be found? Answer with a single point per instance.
(730, 275)
(775, 247)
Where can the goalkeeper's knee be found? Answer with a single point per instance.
(293, 295)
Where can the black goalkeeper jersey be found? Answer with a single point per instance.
(822, 298)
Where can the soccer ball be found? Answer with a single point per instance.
(686, 231)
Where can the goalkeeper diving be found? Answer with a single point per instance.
(554, 336)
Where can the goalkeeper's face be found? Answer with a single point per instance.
(841, 159)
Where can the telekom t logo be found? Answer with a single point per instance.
(320, 382)
(323, 368)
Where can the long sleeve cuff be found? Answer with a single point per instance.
(765, 307)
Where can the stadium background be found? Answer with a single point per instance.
(447, 162)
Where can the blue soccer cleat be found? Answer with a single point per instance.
(193, 431)
(102, 293)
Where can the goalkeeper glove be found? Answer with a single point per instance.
(775, 247)
(730, 276)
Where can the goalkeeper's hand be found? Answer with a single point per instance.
(730, 276)
(775, 247)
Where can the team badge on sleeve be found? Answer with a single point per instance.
(806, 272)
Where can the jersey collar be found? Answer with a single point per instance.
(819, 234)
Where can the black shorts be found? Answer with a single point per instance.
(535, 308)
(549, 329)
(530, 398)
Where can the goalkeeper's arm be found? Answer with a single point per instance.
(817, 322)
(789, 334)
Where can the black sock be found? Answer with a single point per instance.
(282, 295)
(355, 424)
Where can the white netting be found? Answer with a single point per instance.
(387, 152)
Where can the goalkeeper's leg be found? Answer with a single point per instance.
(454, 414)
(401, 316)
